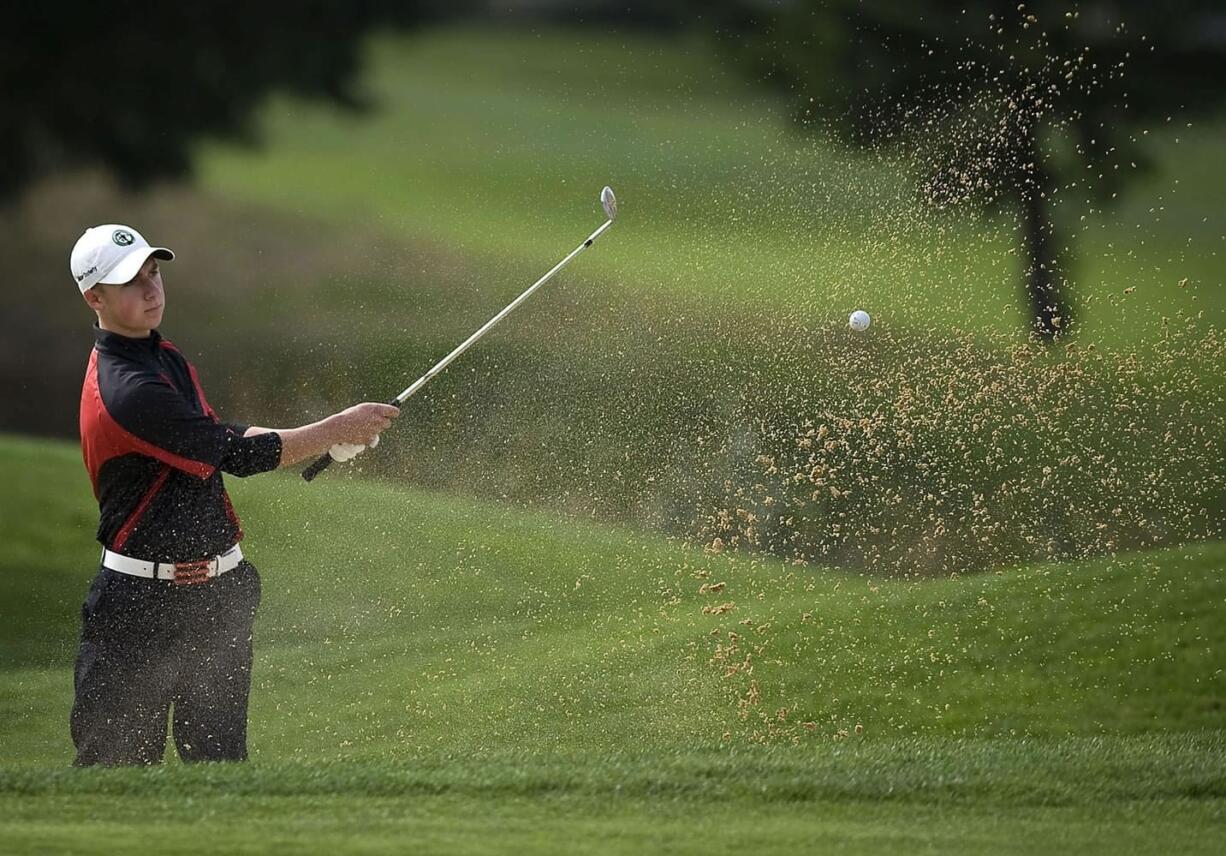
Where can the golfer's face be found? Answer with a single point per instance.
(136, 306)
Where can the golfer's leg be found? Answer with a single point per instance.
(210, 709)
(123, 683)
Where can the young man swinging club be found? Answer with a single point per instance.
(167, 621)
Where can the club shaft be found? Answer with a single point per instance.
(485, 328)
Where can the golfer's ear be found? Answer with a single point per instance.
(92, 298)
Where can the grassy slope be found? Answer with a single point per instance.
(494, 144)
(443, 670)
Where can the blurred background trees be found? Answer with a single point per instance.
(132, 87)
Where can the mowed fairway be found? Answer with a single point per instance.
(493, 145)
(440, 675)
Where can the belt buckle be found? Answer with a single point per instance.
(193, 573)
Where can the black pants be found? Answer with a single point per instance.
(148, 645)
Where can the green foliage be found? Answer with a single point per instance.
(134, 86)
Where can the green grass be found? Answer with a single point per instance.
(493, 144)
(1149, 795)
(453, 676)
(448, 675)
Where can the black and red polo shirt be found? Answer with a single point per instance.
(155, 451)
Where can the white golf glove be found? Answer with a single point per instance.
(342, 452)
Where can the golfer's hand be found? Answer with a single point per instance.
(359, 424)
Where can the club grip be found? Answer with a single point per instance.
(321, 463)
(325, 460)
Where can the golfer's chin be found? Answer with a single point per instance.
(149, 320)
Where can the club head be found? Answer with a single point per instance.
(609, 202)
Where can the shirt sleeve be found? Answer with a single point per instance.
(161, 423)
(247, 456)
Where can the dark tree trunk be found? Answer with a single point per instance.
(1049, 314)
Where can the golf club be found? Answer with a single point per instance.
(608, 201)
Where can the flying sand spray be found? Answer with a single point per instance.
(608, 201)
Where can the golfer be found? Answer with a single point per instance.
(166, 624)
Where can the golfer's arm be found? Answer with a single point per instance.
(299, 444)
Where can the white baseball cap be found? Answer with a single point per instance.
(111, 254)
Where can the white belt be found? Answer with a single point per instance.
(184, 573)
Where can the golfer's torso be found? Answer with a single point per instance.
(148, 437)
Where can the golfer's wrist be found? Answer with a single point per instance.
(335, 430)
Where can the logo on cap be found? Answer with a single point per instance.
(122, 237)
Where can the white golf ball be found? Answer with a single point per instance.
(859, 320)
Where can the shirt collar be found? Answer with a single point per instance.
(114, 343)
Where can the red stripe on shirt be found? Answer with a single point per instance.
(125, 531)
(204, 402)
